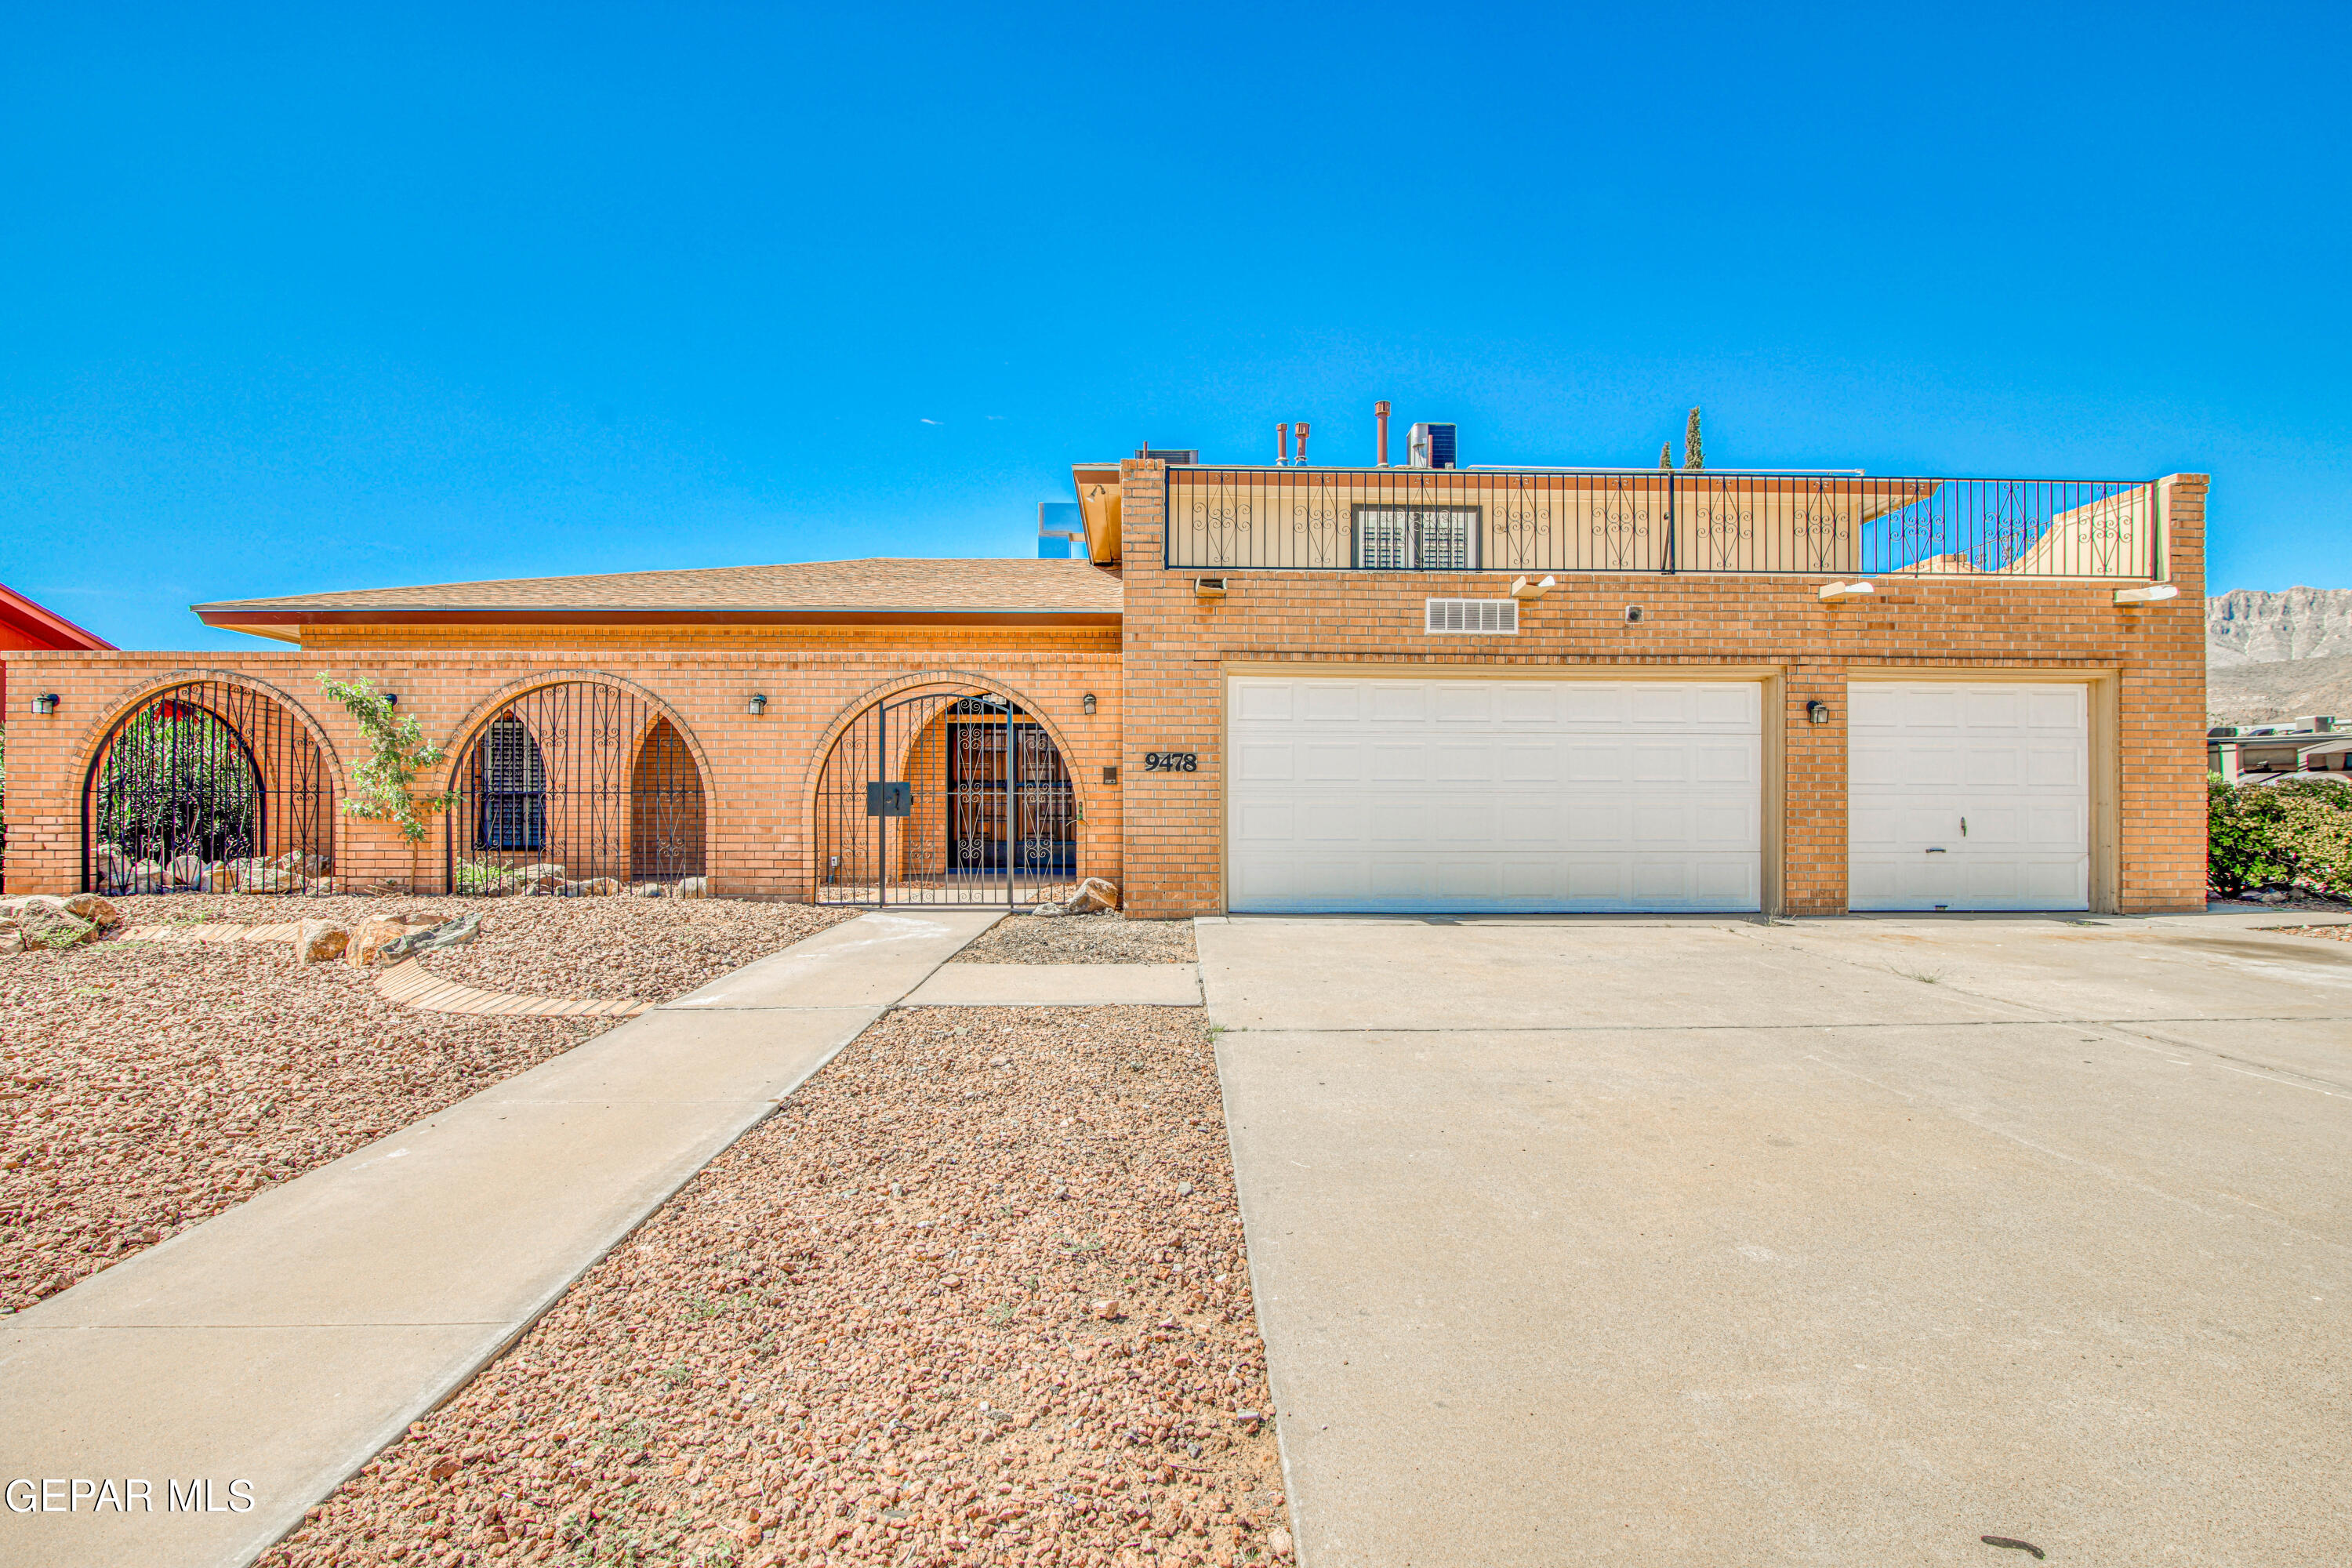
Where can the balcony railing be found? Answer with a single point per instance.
(1664, 520)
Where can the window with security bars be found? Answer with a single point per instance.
(1493, 618)
(511, 788)
(1417, 538)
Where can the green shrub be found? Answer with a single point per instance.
(2298, 833)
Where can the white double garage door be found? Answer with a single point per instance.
(1481, 795)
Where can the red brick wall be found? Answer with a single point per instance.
(758, 773)
(1178, 646)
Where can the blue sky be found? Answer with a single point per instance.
(342, 297)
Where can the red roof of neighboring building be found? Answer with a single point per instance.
(23, 624)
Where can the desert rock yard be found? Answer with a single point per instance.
(976, 1293)
(146, 1086)
(1108, 938)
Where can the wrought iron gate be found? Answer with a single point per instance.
(575, 789)
(207, 787)
(984, 811)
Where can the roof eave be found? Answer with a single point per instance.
(252, 617)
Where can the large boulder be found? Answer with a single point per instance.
(219, 878)
(594, 887)
(45, 927)
(262, 878)
(449, 933)
(184, 872)
(694, 886)
(95, 909)
(320, 941)
(1093, 896)
(371, 939)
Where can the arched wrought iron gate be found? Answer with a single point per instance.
(946, 798)
(207, 787)
(575, 789)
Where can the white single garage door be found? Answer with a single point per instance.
(1436, 795)
(1969, 797)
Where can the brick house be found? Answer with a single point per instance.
(1267, 689)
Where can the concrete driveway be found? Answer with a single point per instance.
(1842, 1242)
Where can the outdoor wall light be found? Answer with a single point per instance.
(391, 698)
(1088, 703)
(1833, 592)
(1523, 589)
(758, 705)
(1209, 587)
(2156, 594)
(47, 702)
(1817, 712)
(1632, 613)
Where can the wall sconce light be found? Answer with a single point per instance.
(1817, 712)
(1209, 587)
(1833, 592)
(1523, 589)
(47, 702)
(758, 705)
(2156, 594)
(391, 698)
(1088, 703)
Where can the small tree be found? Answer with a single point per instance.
(1666, 455)
(1692, 456)
(397, 753)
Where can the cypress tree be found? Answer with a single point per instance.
(1666, 455)
(1692, 456)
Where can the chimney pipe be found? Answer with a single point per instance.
(1381, 415)
(1302, 443)
(1281, 446)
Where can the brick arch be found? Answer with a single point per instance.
(94, 734)
(966, 681)
(463, 732)
(295, 786)
(857, 707)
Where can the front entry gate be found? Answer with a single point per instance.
(946, 798)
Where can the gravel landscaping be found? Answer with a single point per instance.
(974, 1294)
(2333, 933)
(146, 1086)
(1108, 938)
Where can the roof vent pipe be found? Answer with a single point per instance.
(1302, 443)
(1281, 446)
(1381, 418)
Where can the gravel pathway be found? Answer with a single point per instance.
(1108, 938)
(974, 1294)
(145, 1087)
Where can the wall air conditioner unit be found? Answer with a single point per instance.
(1431, 446)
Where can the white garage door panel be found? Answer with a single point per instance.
(2010, 760)
(1418, 795)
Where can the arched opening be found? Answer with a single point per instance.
(207, 787)
(665, 809)
(576, 789)
(949, 797)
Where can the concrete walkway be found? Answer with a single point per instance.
(1060, 985)
(1848, 1242)
(286, 1341)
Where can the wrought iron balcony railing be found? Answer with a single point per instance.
(1664, 520)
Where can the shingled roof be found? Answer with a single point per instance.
(881, 590)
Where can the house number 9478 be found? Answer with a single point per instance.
(1171, 761)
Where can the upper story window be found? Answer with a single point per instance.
(1417, 538)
